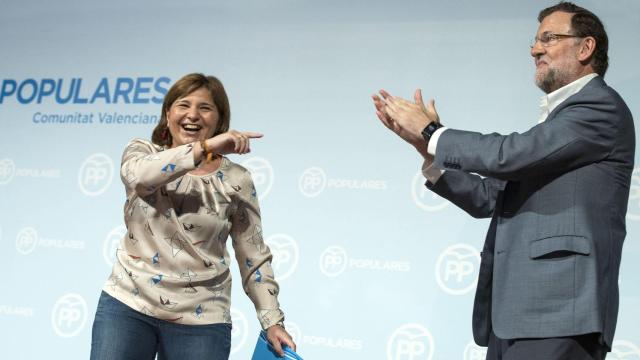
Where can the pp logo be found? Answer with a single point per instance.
(95, 175)
(294, 330)
(474, 352)
(409, 342)
(423, 197)
(624, 350)
(239, 330)
(262, 174)
(333, 261)
(285, 255)
(69, 315)
(455, 269)
(312, 182)
(7, 170)
(633, 212)
(111, 243)
(27, 240)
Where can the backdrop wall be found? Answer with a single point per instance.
(371, 265)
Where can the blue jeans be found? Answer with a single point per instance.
(119, 332)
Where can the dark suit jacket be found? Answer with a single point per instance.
(557, 195)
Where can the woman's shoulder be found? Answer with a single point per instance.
(232, 166)
(239, 177)
(235, 170)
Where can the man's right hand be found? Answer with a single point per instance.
(412, 118)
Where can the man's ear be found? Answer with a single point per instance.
(587, 49)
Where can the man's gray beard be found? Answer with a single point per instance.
(553, 80)
(548, 83)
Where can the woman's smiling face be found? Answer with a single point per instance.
(192, 118)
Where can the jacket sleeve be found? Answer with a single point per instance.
(578, 134)
(470, 192)
(144, 169)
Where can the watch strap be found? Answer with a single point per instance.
(428, 131)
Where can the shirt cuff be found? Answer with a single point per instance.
(433, 142)
(431, 172)
(269, 318)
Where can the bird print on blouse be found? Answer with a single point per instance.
(167, 303)
(132, 239)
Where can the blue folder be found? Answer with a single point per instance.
(264, 351)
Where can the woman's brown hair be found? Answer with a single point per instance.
(183, 87)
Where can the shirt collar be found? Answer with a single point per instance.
(550, 101)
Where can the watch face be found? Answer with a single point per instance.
(429, 130)
(425, 132)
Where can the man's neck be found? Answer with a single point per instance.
(584, 72)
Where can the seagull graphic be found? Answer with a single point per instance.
(190, 227)
(167, 303)
(189, 289)
(132, 239)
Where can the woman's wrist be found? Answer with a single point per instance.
(213, 146)
(208, 153)
(280, 323)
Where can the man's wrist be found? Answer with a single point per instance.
(428, 131)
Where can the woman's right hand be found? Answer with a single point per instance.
(232, 142)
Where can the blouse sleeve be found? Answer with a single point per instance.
(144, 169)
(253, 255)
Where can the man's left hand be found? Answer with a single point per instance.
(277, 335)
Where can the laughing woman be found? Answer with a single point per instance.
(169, 290)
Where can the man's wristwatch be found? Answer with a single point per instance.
(428, 131)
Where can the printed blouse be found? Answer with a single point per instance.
(173, 262)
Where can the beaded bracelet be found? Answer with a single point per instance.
(205, 149)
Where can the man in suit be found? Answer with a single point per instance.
(557, 196)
